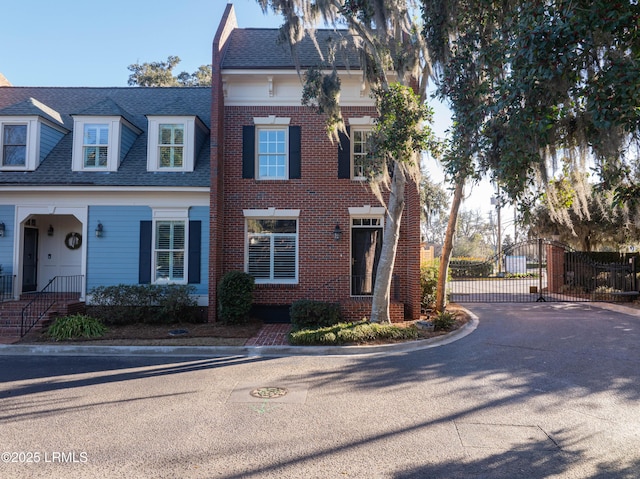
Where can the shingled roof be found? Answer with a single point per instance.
(262, 48)
(134, 104)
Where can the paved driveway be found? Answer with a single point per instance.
(536, 391)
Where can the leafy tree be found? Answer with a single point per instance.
(473, 236)
(530, 82)
(160, 74)
(388, 40)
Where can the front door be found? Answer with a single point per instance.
(30, 260)
(366, 244)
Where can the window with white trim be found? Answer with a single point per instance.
(362, 159)
(171, 143)
(272, 153)
(95, 145)
(14, 144)
(272, 249)
(169, 251)
(96, 142)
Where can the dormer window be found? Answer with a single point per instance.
(95, 147)
(14, 145)
(171, 145)
(173, 142)
(100, 143)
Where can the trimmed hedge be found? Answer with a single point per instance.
(306, 313)
(361, 332)
(235, 297)
(144, 303)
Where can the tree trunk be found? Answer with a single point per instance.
(391, 235)
(447, 247)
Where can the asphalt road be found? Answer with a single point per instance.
(536, 391)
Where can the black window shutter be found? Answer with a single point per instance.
(194, 251)
(144, 262)
(344, 155)
(295, 147)
(248, 151)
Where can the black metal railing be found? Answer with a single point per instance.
(59, 289)
(6, 287)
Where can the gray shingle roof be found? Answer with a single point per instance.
(132, 103)
(262, 48)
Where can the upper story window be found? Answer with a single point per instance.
(356, 160)
(101, 142)
(14, 145)
(271, 149)
(95, 145)
(272, 154)
(173, 142)
(362, 158)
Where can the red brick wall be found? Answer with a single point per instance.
(324, 264)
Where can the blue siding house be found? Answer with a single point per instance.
(103, 186)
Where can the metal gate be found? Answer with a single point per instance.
(543, 270)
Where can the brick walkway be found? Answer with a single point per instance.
(271, 335)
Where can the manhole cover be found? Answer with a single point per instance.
(178, 332)
(269, 393)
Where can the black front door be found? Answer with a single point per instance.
(30, 260)
(366, 244)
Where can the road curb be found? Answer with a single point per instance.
(242, 351)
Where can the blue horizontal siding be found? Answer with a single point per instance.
(113, 258)
(7, 215)
(49, 138)
(127, 137)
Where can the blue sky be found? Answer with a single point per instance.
(88, 43)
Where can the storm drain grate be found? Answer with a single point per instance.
(269, 392)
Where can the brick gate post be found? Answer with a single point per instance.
(555, 268)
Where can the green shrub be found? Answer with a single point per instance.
(470, 268)
(235, 297)
(306, 313)
(443, 321)
(428, 284)
(143, 303)
(361, 332)
(77, 326)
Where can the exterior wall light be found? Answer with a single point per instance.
(99, 230)
(337, 233)
(50, 231)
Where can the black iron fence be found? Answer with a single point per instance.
(543, 270)
(59, 289)
(6, 287)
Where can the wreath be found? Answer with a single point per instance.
(73, 240)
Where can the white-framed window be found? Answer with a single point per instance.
(272, 148)
(96, 143)
(171, 144)
(272, 245)
(170, 231)
(14, 144)
(362, 158)
(19, 143)
(273, 154)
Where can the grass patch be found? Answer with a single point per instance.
(361, 332)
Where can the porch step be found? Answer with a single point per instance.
(11, 314)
